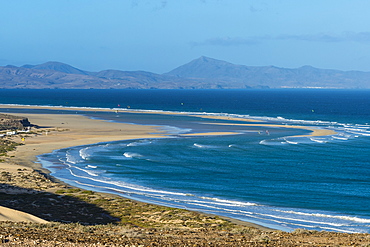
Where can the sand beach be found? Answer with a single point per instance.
(58, 131)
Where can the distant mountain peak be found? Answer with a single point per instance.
(204, 67)
(54, 63)
(57, 66)
(307, 67)
(207, 59)
(210, 60)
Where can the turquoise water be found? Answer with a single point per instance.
(260, 174)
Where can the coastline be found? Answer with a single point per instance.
(67, 130)
(63, 130)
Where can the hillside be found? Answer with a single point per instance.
(61, 76)
(9, 122)
(239, 76)
(201, 73)
(56, 66)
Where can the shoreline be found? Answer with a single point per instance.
(63, 130)
(67, 130)
(315, 132)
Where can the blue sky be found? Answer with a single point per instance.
(160, 35)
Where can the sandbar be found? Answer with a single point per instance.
(314, 131)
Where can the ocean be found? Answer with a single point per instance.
(276, 177)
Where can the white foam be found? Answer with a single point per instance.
(290, 142)
(291, 220)
(280, 219)
(203, 146)
(272, 142)
(340, 138)
(139, 143)
(84, 153)
(318, 140)
(131, 155)
(229, 202)
(342, 217)
(367, 133)
(70, 158)
(123, 185)
(95, 174)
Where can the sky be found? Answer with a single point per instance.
(160, 35)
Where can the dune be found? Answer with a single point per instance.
(7, 214)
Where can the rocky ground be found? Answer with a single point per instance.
(10, 122)
(21, 234)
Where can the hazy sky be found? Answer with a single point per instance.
(158, 36)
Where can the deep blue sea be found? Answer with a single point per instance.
(266, 175)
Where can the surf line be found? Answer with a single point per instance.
(314, 131)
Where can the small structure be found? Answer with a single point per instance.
(23, 131)
(10, 133)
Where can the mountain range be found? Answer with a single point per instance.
(201, 73)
